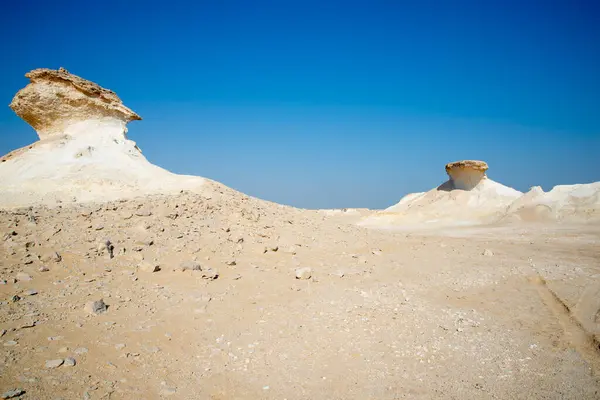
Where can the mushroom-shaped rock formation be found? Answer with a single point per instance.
(479, 200)
(56, 99)
(83, 154)
(466, 174)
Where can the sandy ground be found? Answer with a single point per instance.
(385, 314)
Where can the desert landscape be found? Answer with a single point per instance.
(121, 280)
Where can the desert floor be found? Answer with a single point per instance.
(502, 312)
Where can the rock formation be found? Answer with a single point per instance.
(467, 198)
(56, 99)
(83, 153)
(466, 174)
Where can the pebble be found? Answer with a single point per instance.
(210, 273)
(147, 266)
(22, 276)
(69, 362)
(95, 307)
(10, 394)
(190, 265)
(303, 273)
(54, 363)
(488, 253)
(50, 256)
(143, 212)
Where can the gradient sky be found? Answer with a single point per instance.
(323, 104)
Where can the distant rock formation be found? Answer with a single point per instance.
(466, 174)
(56, 99)
(469, 197)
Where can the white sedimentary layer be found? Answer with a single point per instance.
(92, 161)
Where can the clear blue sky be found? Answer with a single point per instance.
(330, 103)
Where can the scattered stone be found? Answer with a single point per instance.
(10, 343)
(120, 346)
(376, 252)
(106, 246)
(210, 273)
(96, 307)
(3, 281)
(303, 273)
(31, 292)
(15, 298)
(22, 276)
(168, 391)
(231, 262)
(69, 362)
(54, 338)
(44, 269)
(50, 256)
(190, 265)
(50, 364)
(488, 253)
(143, 212)
(3, 332)
(11, 394)
(80, 350)
(147, 266)
(29, 324)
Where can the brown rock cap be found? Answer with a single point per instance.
(54, 99)
(467, 164)
(466, 174)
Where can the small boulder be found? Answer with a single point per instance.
(488, 253)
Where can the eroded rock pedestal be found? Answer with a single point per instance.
(56, 99)
(466, 174)
(83, 154)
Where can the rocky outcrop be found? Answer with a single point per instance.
(56, 99)
(466, 174)
(478, 200)
(84, 154)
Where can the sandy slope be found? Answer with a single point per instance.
(385, 315)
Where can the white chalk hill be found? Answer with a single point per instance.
(469, 197)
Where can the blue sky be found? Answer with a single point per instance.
(330, 104)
